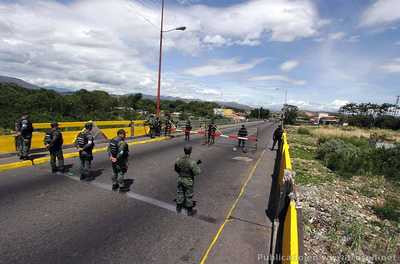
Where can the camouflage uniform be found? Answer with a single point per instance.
(24, 130)
(85, 143)
(187, 170)
(188, 128)
(277, 137)
(54, 141)
(119, 149)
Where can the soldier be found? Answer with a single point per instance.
(53, 141)
(118, 151)
(277, 137)
(151, 123)
(24, 131)
(168, 126)
(187, 170)
(85, 143)
(212, 130)
(157, 126)
(242, 133)
(188, 128)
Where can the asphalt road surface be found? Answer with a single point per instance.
(48, 218)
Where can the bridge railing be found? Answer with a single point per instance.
(288, 246)
(107, 129)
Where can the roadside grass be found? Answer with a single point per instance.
(357, 214)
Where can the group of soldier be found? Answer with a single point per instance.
(118, 152)
(155, 125)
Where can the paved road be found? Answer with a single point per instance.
(46, 218)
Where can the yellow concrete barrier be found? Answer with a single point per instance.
(7, 142)
(290, 244)
(286, 163)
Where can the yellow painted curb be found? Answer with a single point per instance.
(28, 163)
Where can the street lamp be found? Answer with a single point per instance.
(160, 58)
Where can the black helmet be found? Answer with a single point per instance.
(243, 126)
(89, 125)
(121, 131)
(187, 149)
(54, 124)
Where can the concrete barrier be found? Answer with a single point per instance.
(109, 129)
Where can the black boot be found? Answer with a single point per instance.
(191, 211)
(123, 189)
(115, 187)
(179, 208)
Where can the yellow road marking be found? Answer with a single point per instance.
(28, 163)
(229, 214)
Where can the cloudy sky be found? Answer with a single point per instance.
(324, 53)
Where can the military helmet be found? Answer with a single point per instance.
(187, 149)
(54, 124)
(121, 131)
(89, 125)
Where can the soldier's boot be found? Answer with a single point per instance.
(191, 211)
(115, 187)
(53, 169)
(123, 188)
(82, 178)
(179, 208)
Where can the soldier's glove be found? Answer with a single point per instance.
(199, 162)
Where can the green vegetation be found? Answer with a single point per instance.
(260, 113)
(47, 105)
(290, 114)
(349, 190)
(371, 115)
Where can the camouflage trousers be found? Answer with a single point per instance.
(184, 193)
(54, 156)
(24, 146)
(119, 170)
(86, 164)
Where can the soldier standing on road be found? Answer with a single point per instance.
(53, 141)
(188, 129)
(157, 126)
(277, 137)
(151, 123)
(24, 131)
(85, 143)
(187, 169)
(242, 133)
(168, 126)
(118, 151)
(212, 130)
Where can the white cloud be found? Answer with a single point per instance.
(289, 65)
(278, 78)
(353, 39)
(337, 35)
(216, 40)
(114, 48)
(218, 67)
(392, 67)
(380, 13)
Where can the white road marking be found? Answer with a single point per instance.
(130, 194)
(243, 159)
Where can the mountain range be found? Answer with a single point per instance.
(27, 85)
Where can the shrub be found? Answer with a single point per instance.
(339, 156)
(303, 131)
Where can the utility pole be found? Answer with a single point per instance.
(397, 106)
(160, 58)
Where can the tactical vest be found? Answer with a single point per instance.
(48, 137)
(185, 168)
(114, 147)
(82, 139)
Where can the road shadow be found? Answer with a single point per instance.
(32, 157)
